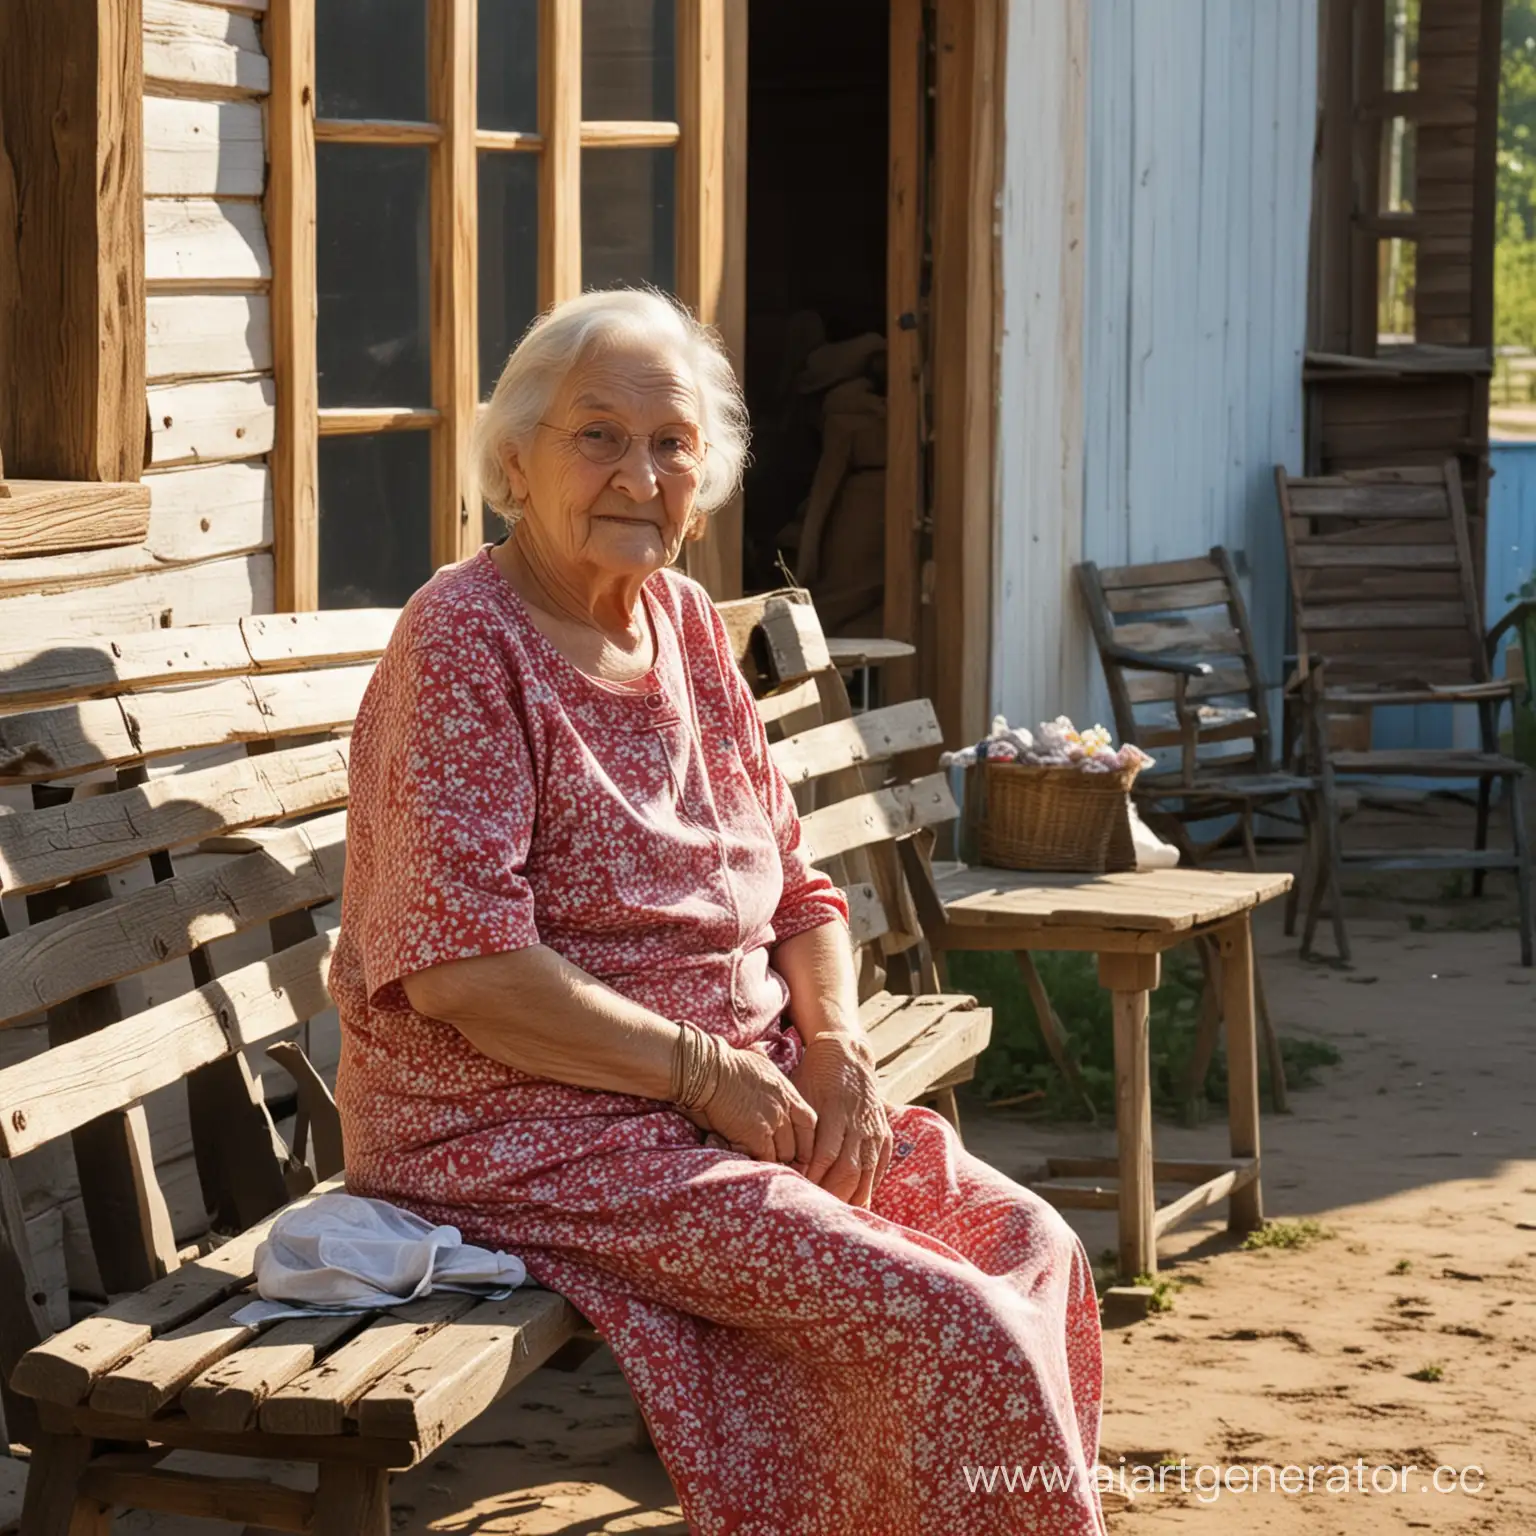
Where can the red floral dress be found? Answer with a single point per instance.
(806, 1368)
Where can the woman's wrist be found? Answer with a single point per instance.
(853, 1042)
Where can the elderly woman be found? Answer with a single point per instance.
(599, 1011)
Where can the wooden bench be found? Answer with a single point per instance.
(163, 1365)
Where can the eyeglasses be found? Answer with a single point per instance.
(676, 449)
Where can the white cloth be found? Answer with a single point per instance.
(344, 1254)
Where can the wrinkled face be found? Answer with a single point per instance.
(626, 517)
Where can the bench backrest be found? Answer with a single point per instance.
(187, 825)
(1185, 610)
(1383, 584)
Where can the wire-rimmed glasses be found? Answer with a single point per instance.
(676, 449)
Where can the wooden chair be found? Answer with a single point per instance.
(163, 1365)
(1384, 597)
(1183, 676)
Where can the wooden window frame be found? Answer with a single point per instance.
(711, 59)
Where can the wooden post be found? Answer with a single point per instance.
(1246, 1209)
(72, 398)
(905, 341)
(1131, 978)
(454, 296)
(352, 1500)
(560, 162)
(711, 222)
(295, 460)
(964, 372)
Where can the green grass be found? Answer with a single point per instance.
(1163, 1291)
(1017, 1060)
(1286, 1234)
(1434, 1371)
(1402, 1267)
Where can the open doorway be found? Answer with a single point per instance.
(816, 257)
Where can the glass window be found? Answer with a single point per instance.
(375, 508)
(372, 261)
(371, 59)
(509, 256)
(628, 217)
(1399, 164)
(1402, 38)
(508, 46)
(629, 60)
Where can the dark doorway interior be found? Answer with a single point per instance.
(818, 83)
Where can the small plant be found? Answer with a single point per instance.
(1163, 1290)
(1286, 1234)
(1402, 1267)
(1434, 1371)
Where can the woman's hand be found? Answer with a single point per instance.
(853, 1131)
(758, 1111)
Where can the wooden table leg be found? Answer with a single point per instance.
(1131, 978)
(1245, 1211)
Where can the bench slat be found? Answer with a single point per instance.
(876, 816)
(873, 737)
(70, 1085)
(90, 667)
(898, 1030)
(956, 1038)
(866, 916)
(462, 1370)
(66, 955)
(318, 1401)
(228, 1396)
(42, 848)
(143, 1384)
(106, 733)
(791, 701)
(63, 1369)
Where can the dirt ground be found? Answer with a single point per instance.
(1416, 1154)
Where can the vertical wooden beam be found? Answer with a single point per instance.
(1132, 979)
(1485, 185)
(1246, 1209)
(905, 339)
(1370, 62)
(964, 366)
(560, 161)
(709, 43)
(295, 459)
(453, 305)
(72, 397)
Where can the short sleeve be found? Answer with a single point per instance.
(441, 816)
(810, 898)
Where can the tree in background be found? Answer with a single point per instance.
(1515, 253)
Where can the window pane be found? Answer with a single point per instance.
(371, 59)
(628, 60)
(628, 215)
(375, 528)
(508, 46)
(1402, 39)
(371, 254)
(509, 256)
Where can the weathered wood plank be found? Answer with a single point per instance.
(141, 1386)
(319, 1401)
(212, 419)
(1156, 687)
(956, 1038)
(48, 517)
(249, 1502)
(873, 817)
(298, 867)
(897, 1030)
(208, 333)
(229, 1395)
(208, 594)
(1313, 554)
(1165, 573)
(37, 670)
(198, 245)
(462, 1370)
(201, 50)
(63, 1368)
(203, 148)
(873, 737)
(1180, 636)
(1166, 599)
(46, 847)
(118, 1065)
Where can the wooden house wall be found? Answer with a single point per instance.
(1201, 117)
(208, 554)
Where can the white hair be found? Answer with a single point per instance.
(564, 337)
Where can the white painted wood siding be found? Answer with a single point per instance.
(1200, 117)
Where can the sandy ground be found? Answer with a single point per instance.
(1417, 1154)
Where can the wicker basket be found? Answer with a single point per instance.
(1059, 819)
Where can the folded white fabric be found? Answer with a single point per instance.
(345, 1254)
